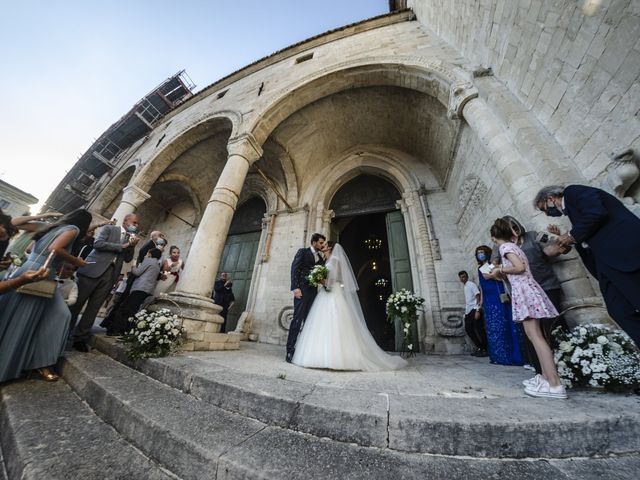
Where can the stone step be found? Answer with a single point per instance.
(3, 471)
(196, 440)
(47, 432)
(476, 427)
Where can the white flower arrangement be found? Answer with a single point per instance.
(404, 305)
(597, 356)
(317, 275)
(154, 334)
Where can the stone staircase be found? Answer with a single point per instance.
(190, 419)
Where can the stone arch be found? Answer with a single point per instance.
(190, 188)
(288, 168)
(373, 160)
(450, 85)
(255, 186)
(106, 202)
(197, 130)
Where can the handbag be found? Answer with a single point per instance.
(506, 296)
(41, 288)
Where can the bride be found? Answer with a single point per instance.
(335, 334)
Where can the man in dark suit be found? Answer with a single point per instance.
(606, 234)
(303, 293)
(156, 240)
(112, 247)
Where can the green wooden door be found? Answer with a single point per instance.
(400, 264)
(238, 260)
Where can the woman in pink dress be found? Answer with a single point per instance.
(529, 305)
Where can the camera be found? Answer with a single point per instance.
(546, 237)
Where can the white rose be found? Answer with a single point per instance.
(602, 340)
(583, 331)
(142, 325)
(403, 309)
(565, 346)
(407, 324)
(410, 346)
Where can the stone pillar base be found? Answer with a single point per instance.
(201, 318)
(586, 310)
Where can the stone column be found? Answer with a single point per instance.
(192, 299)
(516, 173)
(524, 184)
(132, 197)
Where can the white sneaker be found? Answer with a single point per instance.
(544, 390)
(526, 366)
(532, 382)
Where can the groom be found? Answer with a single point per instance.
(303, 293)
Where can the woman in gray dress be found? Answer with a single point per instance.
(33, 329)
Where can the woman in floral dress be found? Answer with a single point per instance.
(529, 305)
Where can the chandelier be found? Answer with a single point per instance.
(381, 282)
(373, 243)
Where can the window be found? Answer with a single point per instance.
(304, 58)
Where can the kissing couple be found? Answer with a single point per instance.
(328, 329)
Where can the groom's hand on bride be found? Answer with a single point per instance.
(297, 293)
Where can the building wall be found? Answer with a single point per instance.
(575, 65)
(13, 201)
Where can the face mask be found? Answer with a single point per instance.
(481, 257)
(161, 243)
(132, 229)
(553, 211)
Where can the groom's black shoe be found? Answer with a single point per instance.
(289, 357)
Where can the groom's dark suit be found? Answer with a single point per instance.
(611, 250)
(301, 266)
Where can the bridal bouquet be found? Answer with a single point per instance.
(154, 334)
(403, 305)
(597, 356)
(318, 274)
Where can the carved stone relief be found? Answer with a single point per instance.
(471, 196)
(621, 174)
(285, 317)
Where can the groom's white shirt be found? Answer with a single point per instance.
(315, 254)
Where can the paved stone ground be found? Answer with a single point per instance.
(455, 376)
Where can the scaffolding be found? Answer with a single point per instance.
(106, 152)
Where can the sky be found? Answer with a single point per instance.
(71, 68)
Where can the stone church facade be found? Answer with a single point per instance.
(402, 136)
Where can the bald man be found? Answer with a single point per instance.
(112, 247)
(156, 240)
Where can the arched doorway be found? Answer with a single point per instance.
(239, 254)
(371, 230)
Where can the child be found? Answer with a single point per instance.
(66, 284)
(529, 304)
(146, 276)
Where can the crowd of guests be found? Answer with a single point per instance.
(511, 317)
(69, 274)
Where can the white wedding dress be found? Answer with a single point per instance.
(335, 333)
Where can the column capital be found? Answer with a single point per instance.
(459, 94)
(134, 195)
(245, 146)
